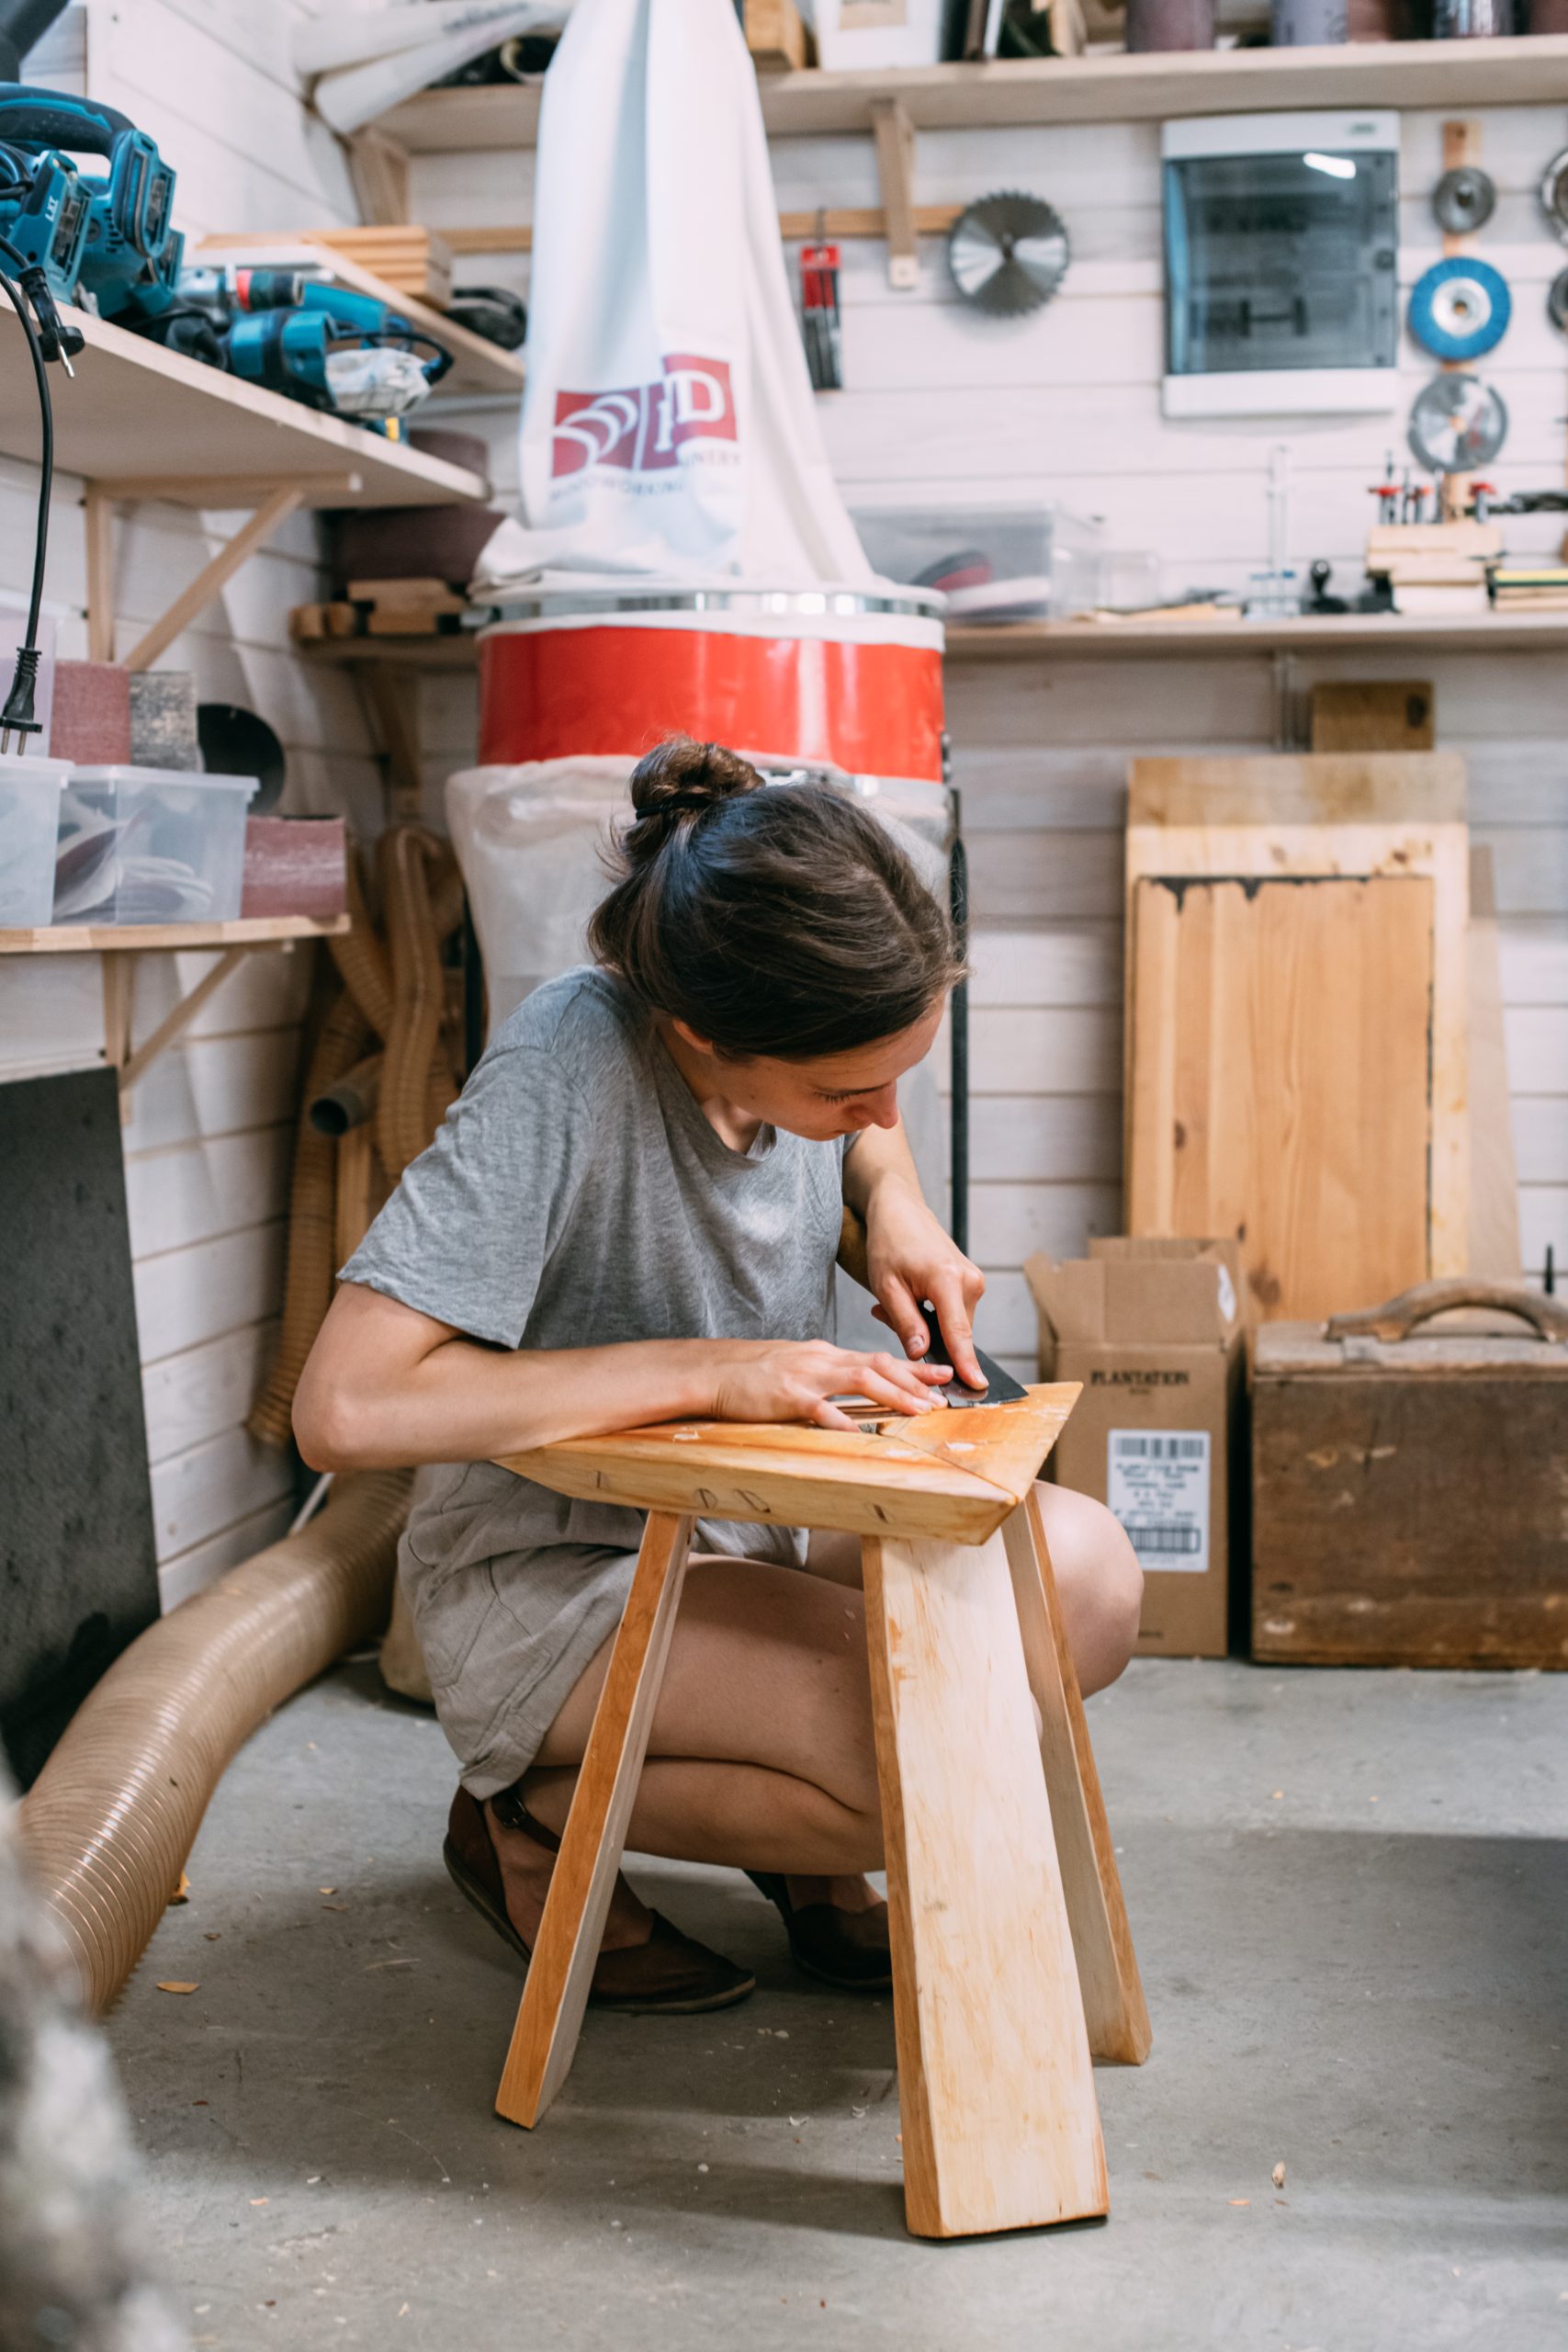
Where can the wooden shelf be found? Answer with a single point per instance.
(159, 423)
(1149, 87)
(1084, 640)
(455, 650)
(96, 939)
(476, 366)
(1235, 640)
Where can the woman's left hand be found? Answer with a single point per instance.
(909, 1258)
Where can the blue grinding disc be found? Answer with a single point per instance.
(1460, 308)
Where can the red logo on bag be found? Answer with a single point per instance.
(645, 427)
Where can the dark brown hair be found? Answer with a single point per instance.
(773, 918)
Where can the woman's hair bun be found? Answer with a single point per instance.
(683, 778)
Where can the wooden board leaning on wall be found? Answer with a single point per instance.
(1297, 1062)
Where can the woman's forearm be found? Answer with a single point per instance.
(366, 1407)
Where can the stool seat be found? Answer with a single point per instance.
(1012, 1960)
(950, 1476)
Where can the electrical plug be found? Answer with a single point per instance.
(16, 717)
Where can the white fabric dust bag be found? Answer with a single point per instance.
(668, 419)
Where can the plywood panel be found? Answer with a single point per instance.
(1369, 814)
(1493, 1178)
(76, 1551)
(1281, 1058)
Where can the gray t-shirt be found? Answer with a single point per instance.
(576, 1198)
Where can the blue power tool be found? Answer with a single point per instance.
(44, 206)
(111, 237)
(332, 349)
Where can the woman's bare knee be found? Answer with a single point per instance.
(1099, 1582)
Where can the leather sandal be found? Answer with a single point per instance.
(671, 1975)
(848, 1950)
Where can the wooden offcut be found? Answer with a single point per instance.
(1408, 1493)
(1373, 715)
(777, 36)
(1282, 1045)
(1011, 1955)
(413, 260)
(1256, 821)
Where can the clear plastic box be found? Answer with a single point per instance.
(993, 563)
(147, 845)
(30, 821)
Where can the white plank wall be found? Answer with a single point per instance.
(944, 406)
(207, 1145)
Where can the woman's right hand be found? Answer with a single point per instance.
(796, 1380)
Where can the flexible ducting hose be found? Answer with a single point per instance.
(350, 1101)
(401, 1003)
(312, 1255)
(361, 959)
(413, 1098)
(113, 1815)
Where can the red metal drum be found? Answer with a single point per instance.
(837, 677)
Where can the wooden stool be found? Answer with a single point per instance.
(999, 1876)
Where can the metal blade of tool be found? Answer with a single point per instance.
(1000, 1387)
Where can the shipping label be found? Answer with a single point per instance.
(1157, 1484)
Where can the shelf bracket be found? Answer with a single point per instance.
(273, 500)
(214, 574)
(119, 983)
(894, 135)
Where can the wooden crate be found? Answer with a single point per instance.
(1408, 1487)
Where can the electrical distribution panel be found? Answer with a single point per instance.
(1282, 264)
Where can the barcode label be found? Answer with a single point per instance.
(1157, 1484)
(1158, 1449)
(1148, 1536)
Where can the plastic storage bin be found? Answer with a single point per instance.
(992, 563)
(30, 821)
(142, 845)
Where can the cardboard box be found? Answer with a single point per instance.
(1154, 1330)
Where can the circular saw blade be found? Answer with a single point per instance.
(1008, 254)
(1456, 424)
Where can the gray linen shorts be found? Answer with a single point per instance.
(506, 1639)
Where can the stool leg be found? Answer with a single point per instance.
(1001, 2131)
(550, 2016)
(1108, 1966)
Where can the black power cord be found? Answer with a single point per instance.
(49, 338)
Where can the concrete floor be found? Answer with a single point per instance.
(1350, 1896)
